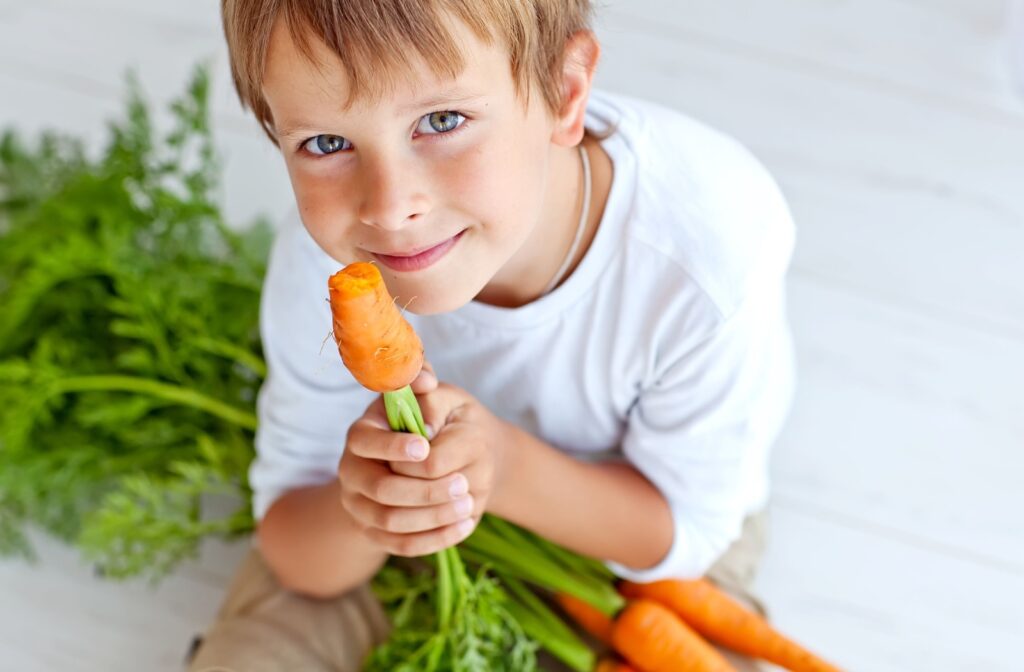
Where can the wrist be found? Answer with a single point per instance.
(513, 452)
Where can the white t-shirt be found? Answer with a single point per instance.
(668, 346)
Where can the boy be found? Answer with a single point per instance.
(598, 281)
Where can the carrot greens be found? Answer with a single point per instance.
(129, 345)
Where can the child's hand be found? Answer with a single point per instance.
(468, 441)
(413, 506)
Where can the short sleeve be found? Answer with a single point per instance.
(702, 429)
(309, 399)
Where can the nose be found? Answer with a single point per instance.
(390, 193)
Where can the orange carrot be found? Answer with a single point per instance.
(590, 619)
(724, 621)
(376, 343)
(653, 639)
(612, 665)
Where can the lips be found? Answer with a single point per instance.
(420, 260)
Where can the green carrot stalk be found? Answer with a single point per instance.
(404, 415)
(544, 626)
(526, 562)
(584, 566)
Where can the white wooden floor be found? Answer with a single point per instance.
(897, 133)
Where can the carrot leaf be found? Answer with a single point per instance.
(129, 346)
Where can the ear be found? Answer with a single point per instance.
(582, 52)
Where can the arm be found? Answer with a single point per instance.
(604, 510)
(309, 536)
(312, 544)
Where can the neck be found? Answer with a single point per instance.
(553, 236)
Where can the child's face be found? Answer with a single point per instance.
(432, 160)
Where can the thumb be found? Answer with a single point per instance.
(446, 404)
(426, 380)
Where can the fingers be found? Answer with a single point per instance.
(443, 405)
(455, 449)
(377, 482)
(407, 516)
(368, 439)
(422, 543)
(450, 458)
(408, 519)
(375, 415)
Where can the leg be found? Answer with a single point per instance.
(734, 573)
(262, 627)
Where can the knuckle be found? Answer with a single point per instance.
(444, 515)
(381, 490)
(362, 526)
(347, 500)
(381, 539)
(386, 518)
(483, 480)
(439, 493)
(361, 514)
(405, 546)
(355, 430)
(433, 469)
(353, 447)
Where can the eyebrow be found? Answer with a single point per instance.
(447, 98)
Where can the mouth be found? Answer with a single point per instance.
(420, 259)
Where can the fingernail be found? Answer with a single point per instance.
(416, 449)
(428, 377)
(463, 506)
(459, 487)
(430, 432)
(465, 526)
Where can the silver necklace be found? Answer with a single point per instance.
(579, 227)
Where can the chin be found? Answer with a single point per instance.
(431, 301)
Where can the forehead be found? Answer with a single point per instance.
(302, 71)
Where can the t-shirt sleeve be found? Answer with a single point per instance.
(309, 399)
(699, 429)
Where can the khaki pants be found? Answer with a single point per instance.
(261, 627)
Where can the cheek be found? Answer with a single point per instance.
(321, 204)
(500, 184)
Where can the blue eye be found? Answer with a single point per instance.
(440, 122)
(326, 144)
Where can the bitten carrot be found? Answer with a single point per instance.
(376, 343)
(653, 639)
(589, 617)
(723, 620)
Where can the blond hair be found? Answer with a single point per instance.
(372, 39)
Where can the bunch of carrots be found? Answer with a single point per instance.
(669, 625)
(664, 626)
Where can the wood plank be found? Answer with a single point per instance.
(909, 423)
(951, 53)
(89, 47)
(59, 616)
(879, 604)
